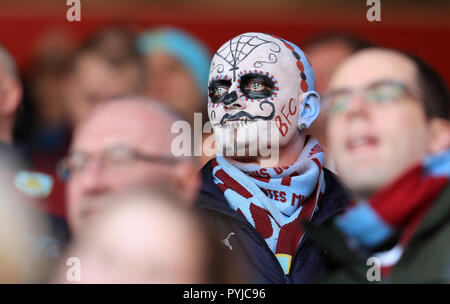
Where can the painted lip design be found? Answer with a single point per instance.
(229, 119)
(247, 117)
(234, 123)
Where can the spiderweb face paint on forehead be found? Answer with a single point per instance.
(239, 48)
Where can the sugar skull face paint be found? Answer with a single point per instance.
(258, 82)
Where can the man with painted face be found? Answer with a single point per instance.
(267, 179)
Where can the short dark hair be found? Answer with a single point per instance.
(435, 94)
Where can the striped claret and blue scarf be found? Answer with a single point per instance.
(397, 209)
(275, 200)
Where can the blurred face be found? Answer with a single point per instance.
(106, 155)
(255, 91)
(171, 82)
(95, 80)
(142, 245)
(375, 136)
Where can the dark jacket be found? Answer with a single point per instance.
(426, 258)
(259, 261)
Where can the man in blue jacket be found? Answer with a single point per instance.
(268, 176)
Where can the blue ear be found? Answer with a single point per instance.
(310, 109)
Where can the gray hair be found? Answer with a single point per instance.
(7, 61)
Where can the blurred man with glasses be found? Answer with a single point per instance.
(389, 132)
(123, 144)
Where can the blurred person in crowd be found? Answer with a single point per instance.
(64, 85)
(32, 184)
(389, 131)
(147, 237)
(50, 132)
(41, 124)
(326, 52)
(42, 130)
(177, 66)
(21, 233)
(32, 180)
(107, 65)
(124, 143)
(262, 86)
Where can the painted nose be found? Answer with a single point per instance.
(229, 98)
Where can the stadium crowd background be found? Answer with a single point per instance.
(35, 30)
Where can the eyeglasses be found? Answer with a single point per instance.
(113, 157)
(377, 93)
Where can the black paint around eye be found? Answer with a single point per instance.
(216, 84)
(263, 79)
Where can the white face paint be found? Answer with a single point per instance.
(256, 87)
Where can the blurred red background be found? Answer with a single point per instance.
(421, 27)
